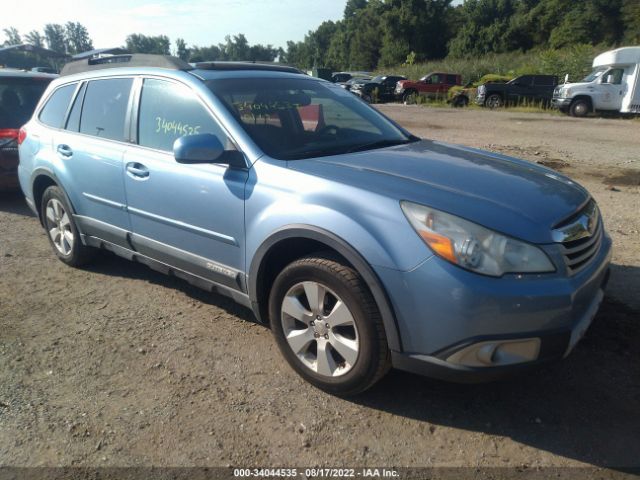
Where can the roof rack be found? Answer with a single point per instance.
(126, 60)
(273, 67)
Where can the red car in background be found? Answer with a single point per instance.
(19, 95)
(433, 85)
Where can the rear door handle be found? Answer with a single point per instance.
(64, 151)
(137, 170)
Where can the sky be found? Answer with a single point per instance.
(199, 22)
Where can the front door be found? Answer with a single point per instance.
(611, 90)
(188, 216)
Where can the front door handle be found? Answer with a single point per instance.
(64, 151)
(137, 170)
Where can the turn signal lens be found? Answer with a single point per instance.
(440, 245)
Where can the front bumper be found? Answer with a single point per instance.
(560, 103)
(443, 311)
(480, 98)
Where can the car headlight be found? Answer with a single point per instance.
(472, 246)
(482, 89)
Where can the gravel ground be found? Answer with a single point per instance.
(116, 365)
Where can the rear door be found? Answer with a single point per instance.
(90, 150)
(187, 216)
(521, 90)
(544, 86)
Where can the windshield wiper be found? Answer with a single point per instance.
(378, 144)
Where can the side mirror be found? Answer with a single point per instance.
(205, 148)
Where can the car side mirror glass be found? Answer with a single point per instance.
(205, 148)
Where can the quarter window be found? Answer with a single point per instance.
(169, 111)
(56, 107)
(105, 108)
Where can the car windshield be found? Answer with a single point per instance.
(594, 75)
(377, 79)
(295, 118)
(18, 99)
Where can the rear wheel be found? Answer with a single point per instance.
(61, 229)
(494, 101)
(579, 108)
(328, 326)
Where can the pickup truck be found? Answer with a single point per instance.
(527, 88)
(432, 85)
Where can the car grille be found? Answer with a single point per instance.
(582, 243)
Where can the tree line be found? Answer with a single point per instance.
(73, 37)
(383, 33)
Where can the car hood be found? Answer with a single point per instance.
(512, 196)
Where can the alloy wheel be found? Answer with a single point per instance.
(59, 226)
(320, 329)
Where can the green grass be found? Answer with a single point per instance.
(575, 60)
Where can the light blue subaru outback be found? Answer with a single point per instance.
(363, 246)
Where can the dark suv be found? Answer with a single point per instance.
(19, 94)
(527, 88)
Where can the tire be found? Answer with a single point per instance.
(57, 217)
(493, 101)
(349, 355)
(579, 108)
(460, 101)
(409, 98)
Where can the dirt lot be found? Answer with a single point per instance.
(117, 365)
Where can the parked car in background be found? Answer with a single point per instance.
(613, 86)
(433, 85)
(19, 95)
(45, 70)
(362, 245)
(459, 96)
(536, 89)
(344, 77)
(354, 82)
(379, 89)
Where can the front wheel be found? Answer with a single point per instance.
(579, 108)
(494, 101)
(410, 98)
(61, 229)
(328, 326)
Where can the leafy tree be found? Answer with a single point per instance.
(13, 36)
(181, 49)
(139, 43)
(55, 38)
(631, 20)
(77, 38)
(34, 38)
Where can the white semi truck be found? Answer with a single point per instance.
(613, 85)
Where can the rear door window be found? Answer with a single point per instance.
(169, 111)
(18, 99)
(544, 81)
(451, 79)
(105, 108)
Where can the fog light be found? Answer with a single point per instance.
(496, 353)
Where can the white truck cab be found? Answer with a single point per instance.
(613, 85)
